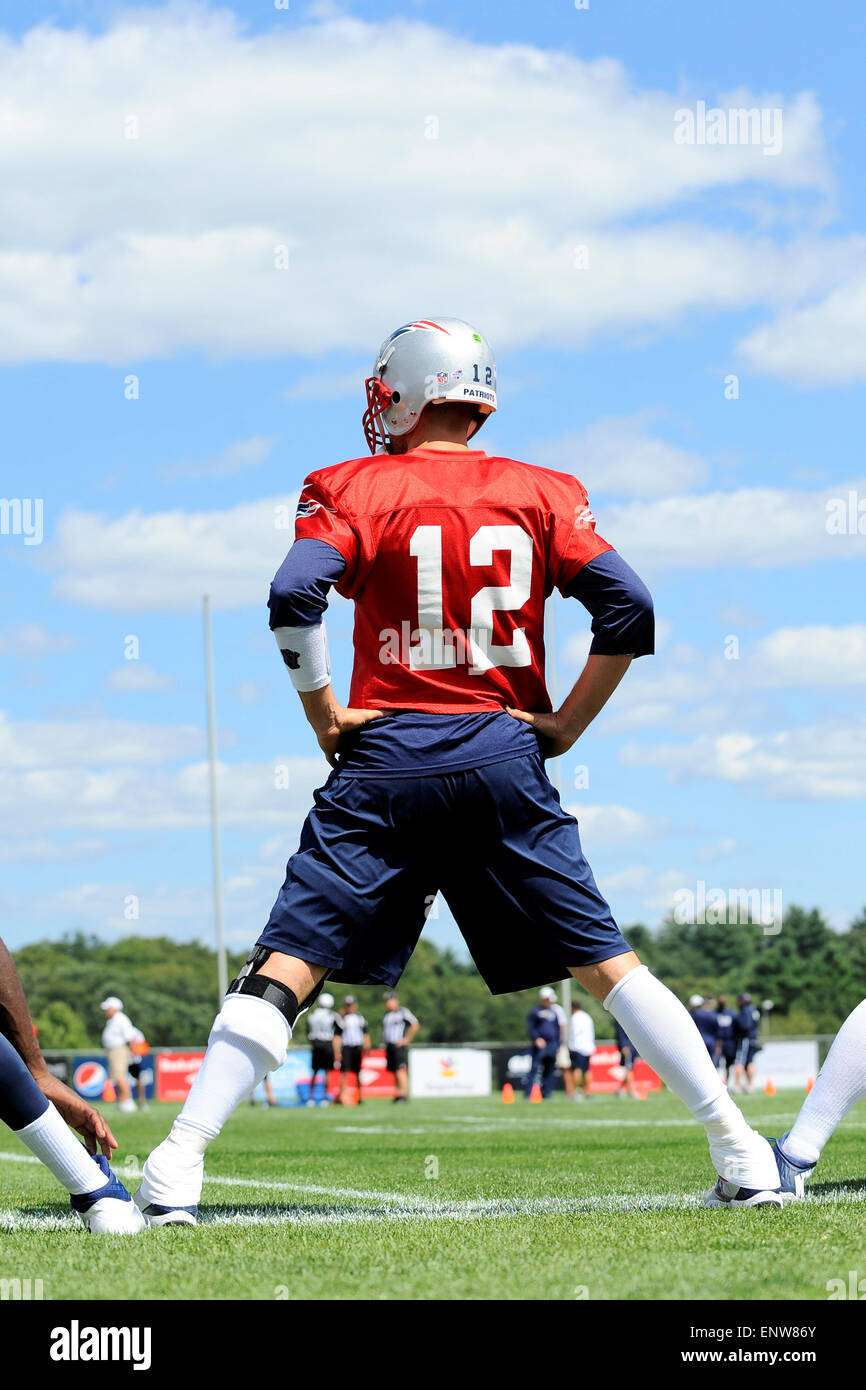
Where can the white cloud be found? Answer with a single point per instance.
(135, 676)
(618, 457)
(614, 825)
(34, 642)
(49, 747)
(759, 526)
(166, 561)
(818, 344)
(39, 799)
(817, 657)
(328, 386)
(824, 762)
(145, 204)
(234, 459)
(40, 850)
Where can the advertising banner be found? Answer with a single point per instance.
(437, 1071)
(175, 1073)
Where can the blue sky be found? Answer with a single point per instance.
(144, 204)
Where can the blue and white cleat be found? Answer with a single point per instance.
(730, 1194)
(792, 1175)
(109, 1211)
(155, 1215)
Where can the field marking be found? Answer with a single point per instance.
(497, 1209)
(405, 1207)
(575, 1125)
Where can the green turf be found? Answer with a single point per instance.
(383, 1229)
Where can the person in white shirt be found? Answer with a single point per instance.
(117, 1035)
(581, 1045)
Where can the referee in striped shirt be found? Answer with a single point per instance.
(355, 1041)
(399, 1027)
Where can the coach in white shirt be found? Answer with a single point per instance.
(581, 1045)
(117, 1034)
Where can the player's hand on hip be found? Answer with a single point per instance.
(343, 721)
(552, 738)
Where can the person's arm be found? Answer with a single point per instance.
(17, 1025)
(409, 1035)
(623, 628)
(366, 1045)
(297, 603)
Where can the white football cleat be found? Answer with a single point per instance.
(109, 1211)
(730, 1194)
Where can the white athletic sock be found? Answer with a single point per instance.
(665, 1034)
(51, 1140)
(249, 1038)
(840, 1085)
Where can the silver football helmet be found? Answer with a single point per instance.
(326, 1001)
(424, 363)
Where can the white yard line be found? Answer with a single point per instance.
(399, 1206)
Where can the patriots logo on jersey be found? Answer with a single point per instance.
(308, 508)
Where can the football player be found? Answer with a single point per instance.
(439, 784)
(38, 1108)
(841, 1084)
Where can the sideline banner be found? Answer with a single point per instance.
(437, 1071)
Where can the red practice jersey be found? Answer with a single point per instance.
(449, 559)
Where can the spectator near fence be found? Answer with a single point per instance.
(117, 1037)
(581, 1045)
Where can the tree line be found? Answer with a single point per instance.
(814, 976)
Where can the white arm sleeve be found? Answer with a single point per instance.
(305, 652)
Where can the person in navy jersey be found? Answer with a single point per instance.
(545, 1032)
(727, 1042)
(746, 1024)
(448, 555)
(706, 1023)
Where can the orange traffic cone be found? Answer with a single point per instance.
(809, 1084)
(535, 1095)
(508, 1094)
(769, 1087)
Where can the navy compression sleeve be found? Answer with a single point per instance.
(299, 592)
(621, 606)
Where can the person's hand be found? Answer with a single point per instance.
(549, 729)
(402, 1042)
(539, 1042)
(80, 1116)
(343, 721)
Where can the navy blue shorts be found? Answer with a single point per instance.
(579, 1061)
(493, 840)
(746, 1052)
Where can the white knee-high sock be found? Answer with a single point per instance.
(840, 1085)
(249, 1038)
(51, 1140)
(665, 1034)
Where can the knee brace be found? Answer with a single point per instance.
(263, 987)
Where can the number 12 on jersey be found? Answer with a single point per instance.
(425, 546)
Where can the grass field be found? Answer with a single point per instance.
(562, 1201)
